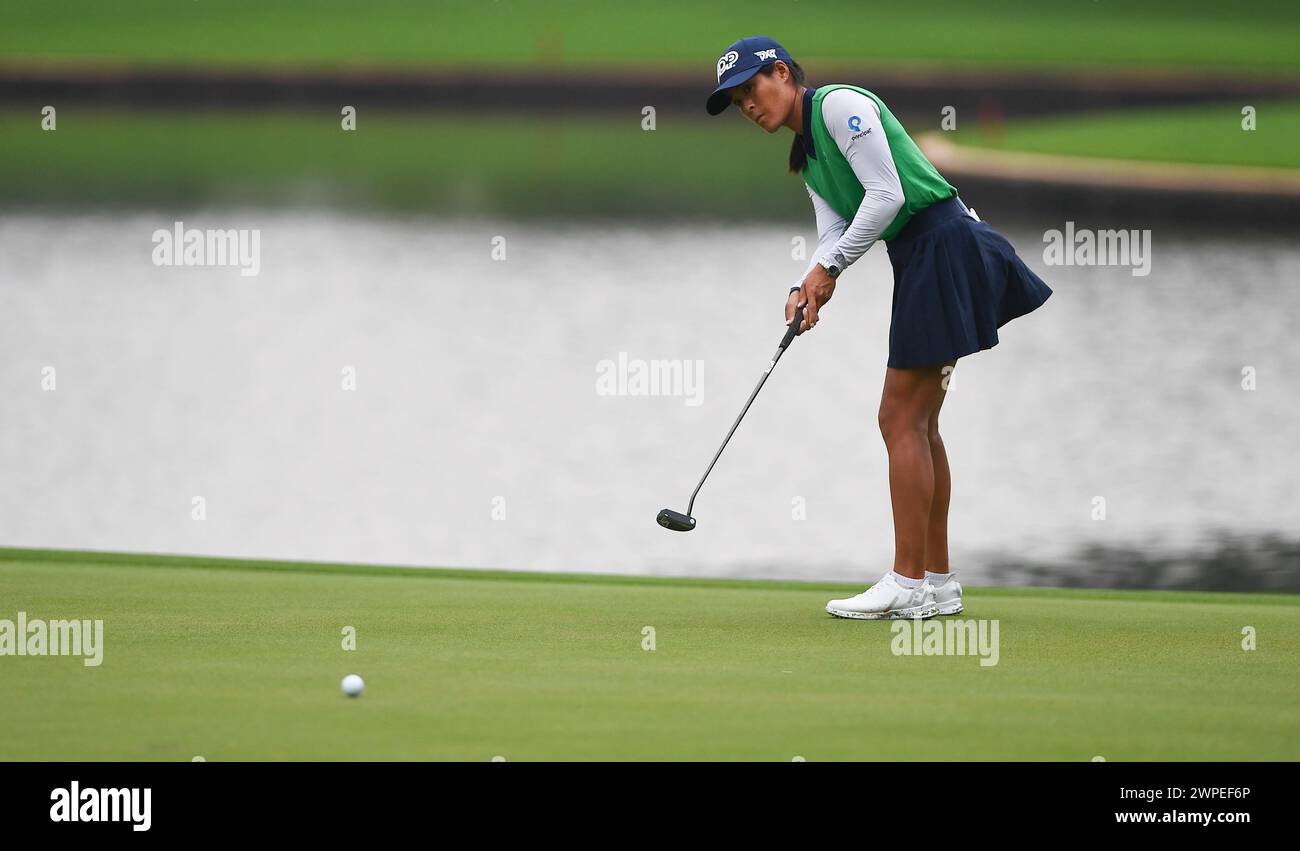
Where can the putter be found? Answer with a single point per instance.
(679, 522)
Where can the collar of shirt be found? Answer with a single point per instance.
(807, 116)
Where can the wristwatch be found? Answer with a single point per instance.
(833, 264)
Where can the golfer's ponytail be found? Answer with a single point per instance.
(798, 159)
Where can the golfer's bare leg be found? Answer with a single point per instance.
(909, 399)
(936, 535)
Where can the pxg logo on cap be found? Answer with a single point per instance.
(741, 61)
(727, 62)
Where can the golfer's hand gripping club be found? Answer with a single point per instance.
(793, 330)
(679, 522)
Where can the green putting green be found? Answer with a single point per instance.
(236, 660)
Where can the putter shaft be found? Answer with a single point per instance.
(785, 342)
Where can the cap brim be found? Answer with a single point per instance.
(720, 99)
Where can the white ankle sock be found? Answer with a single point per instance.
(906, 581)
(937, 579)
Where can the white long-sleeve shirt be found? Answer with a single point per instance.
(867, 152)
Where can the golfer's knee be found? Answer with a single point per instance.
(896, 424)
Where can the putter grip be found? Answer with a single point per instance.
(794, 327)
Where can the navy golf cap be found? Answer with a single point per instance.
(740, 62)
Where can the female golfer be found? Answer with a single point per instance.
(956, 281)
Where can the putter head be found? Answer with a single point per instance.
(675, 520)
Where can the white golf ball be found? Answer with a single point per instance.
(352, 685)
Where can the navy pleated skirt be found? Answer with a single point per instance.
(956, 282)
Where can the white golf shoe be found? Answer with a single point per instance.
(887, 600)
(947, 597)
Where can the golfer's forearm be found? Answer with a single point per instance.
(830, 226)
(824, 247)
(879, 207)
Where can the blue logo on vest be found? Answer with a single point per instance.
(855, 123)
